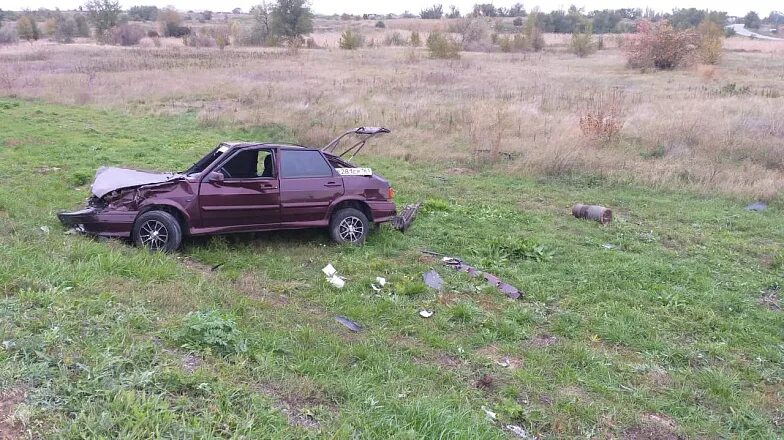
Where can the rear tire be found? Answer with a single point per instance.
(157, 231)
(349, 225)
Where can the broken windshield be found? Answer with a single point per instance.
(207, 160)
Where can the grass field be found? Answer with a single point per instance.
(665, 323)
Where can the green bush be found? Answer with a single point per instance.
(583, 43)
(380, 24)
(212, 332)
(441, 46)
(415, 40)
(350, 40)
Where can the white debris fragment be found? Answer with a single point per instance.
(336, 281)
(490, 415)
(44, 229)
(519, 432)
(329, 270)
(504, 362)
(381, 281)
(426, 313)
(608, 246)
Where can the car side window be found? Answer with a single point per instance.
(303, 163)
(250, 164)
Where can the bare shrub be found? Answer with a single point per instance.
(442, 46)
(395, 39)
(415, 39)
(582, 43)
(350, 40)
(602, 116)
(473, 33)
(659, 46)
(126, 35)
(199, 40)
(487, 136)
(65, 29)
(8, 35)
(711, 42)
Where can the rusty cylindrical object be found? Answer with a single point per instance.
(592, 212)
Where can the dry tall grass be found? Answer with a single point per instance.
(709, 131)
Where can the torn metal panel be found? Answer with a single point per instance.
(593, 212)
(459, 265)
(349, 324)
(108, 179)
(402, 221)
(433, 280)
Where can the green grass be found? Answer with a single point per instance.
(112, 341)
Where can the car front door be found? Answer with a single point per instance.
(246, 197)
(308, 185)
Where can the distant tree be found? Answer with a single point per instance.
(433, 13)
(517, 10)
(380, 24)
(2, 15)
(776, 18)
(408, 14)
(453, 12)
(752, 20)
(711, 41)
(207, 16)
(82, 26)
(350, 40)
(517, 22)
(484, 10)
(236, 11)
(291, 19)
(143, 13)
(583, 43)
(171, 23)
(27, 29)
(262, 24)
(65, 29)
(104, 14)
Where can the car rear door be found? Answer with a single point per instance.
(308, 185)
(247, 198)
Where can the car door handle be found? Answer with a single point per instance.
(268, 186)
(330, 184)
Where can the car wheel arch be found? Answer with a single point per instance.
(178, 214)
(361, 205)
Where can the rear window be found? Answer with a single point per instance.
(303, 163)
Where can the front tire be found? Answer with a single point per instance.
(349, 225)
(157, 231)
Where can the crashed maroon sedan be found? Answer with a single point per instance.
(242, 187)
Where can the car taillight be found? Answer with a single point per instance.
(390, 193)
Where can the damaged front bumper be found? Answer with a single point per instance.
(97, 221)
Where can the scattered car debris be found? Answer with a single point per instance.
(78, 230)
(757, 206)
(349, 324)
(242, 187)
(402, 221)
(426, 313)
(490, 414)
(503, 362)
(608, 246)
(519, 432)
(593, 212)
(461, 266)
(216, 267)
(379, 284)
(433, 280)
(332, 276)
(44, 229)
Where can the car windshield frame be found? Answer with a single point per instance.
(210, 158)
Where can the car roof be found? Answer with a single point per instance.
(244, 144)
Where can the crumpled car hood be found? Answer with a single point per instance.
(108, 179)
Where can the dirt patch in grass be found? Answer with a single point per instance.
(190, 363)
(493, 353)
(11, 142)
(197, 266)
(770, 298)
(459, 171)
(658, 378)
(9, 427)
(300, 403)
(542, 340)
(653, 427)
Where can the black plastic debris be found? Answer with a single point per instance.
(460, 265)
(349, 324)
(433, 280)
(757, 207)
(402, 221)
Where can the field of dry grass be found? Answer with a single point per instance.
(708, 129)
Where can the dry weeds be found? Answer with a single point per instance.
(709, 130)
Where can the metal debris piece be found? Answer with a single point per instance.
(44, 229)
(426, 313)
(592, 212)
(757, 206)
(460, 265)
(433, 280)
(216, 267)
(504, 362)
(402, 221)
(608, 246)
(349, 324)
(379, 284)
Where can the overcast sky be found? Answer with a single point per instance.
(763, 7)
